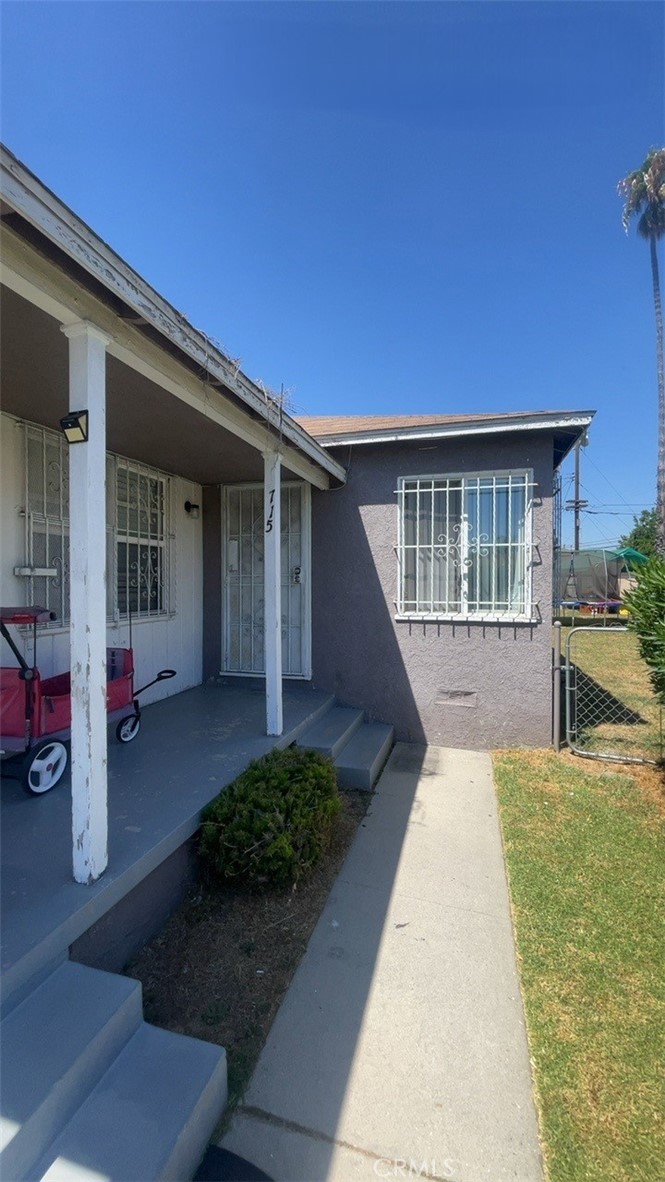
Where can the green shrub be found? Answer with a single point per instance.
(271, 824)
(646, 604)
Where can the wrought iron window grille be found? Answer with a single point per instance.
(140, 561)
(465, 548)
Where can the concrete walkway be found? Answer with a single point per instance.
(400, 1047)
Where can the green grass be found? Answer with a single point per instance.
(585, 859)
(619, 699)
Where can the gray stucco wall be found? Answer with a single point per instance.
(400, 671)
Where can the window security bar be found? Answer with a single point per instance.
(465, 546)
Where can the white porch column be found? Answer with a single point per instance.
(272, 575)
(87, 580)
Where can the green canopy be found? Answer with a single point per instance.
(631, 557)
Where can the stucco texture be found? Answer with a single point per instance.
(400, 671)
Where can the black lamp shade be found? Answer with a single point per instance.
(74, 426)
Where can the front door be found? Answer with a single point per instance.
(243, 579)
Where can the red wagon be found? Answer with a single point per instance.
(35, 712)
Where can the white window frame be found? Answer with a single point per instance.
(160, 541)
(58, 523)
(465, 547)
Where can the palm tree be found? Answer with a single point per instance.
(643, 192)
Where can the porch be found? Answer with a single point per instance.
(190, 746)
(128, 521)
(124, 537)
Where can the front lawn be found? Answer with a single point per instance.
(584, 852)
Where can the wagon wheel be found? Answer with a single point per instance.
(44, 766)
(128, 728)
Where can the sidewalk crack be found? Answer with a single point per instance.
(292, 1126)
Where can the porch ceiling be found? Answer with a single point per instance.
(144, 421)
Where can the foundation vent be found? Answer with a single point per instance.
(467, 698)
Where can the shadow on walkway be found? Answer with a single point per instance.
(401, 1038)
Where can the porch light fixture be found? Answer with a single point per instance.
(74, 426)
(193, 510)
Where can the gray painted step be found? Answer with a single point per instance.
(361, 760)
(333, 731)
(56, 1044)
(150, 1116)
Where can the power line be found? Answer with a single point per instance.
(601, 512)
(596, 527)
(606, 513)
(622, 499)
(595, 508)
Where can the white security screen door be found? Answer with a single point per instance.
(243, 579)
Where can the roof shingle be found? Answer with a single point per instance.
(322, 426)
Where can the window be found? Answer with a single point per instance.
(140, 540)
(464, 546)
(138, 536)
(46, 515)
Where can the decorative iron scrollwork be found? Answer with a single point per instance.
(479, 546)
(452, 548)
(144, 577)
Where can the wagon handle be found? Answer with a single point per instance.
(164, 675)
(23, 664)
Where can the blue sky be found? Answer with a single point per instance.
(384, 207)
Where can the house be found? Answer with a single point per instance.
(432, 572)
(321, 581)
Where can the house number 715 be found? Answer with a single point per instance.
(269, 522)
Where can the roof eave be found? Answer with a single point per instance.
(576, 422)
(43, 210)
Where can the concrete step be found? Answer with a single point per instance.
(56, 1045)
(150, 1116)
(361, 760)
(333, 731)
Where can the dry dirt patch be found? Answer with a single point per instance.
(222, 964)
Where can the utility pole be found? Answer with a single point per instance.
(577, 497)
(576, 504)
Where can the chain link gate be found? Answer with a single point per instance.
(611, 710)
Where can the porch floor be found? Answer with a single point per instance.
(189, 747)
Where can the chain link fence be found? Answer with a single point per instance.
(611, 710)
